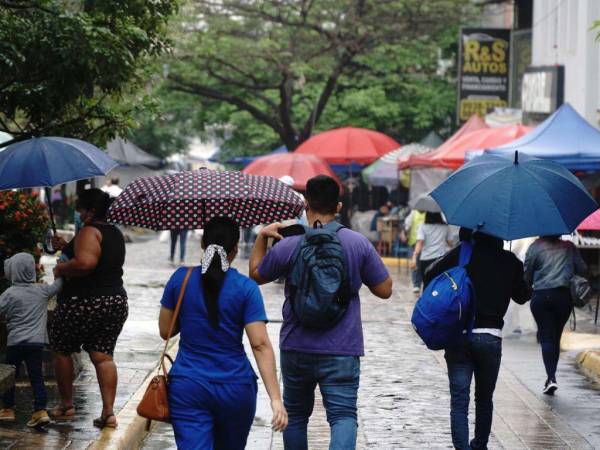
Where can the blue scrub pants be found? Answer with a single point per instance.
(207, 416)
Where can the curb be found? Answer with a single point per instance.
(394, 262)
(589, 363)
(132, 428)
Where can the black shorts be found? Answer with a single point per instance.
(93, 323)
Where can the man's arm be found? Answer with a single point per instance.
(382, 290)
(260, 250)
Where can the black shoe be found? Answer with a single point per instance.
(550, 387)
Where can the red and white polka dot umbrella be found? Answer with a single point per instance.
(188, 200)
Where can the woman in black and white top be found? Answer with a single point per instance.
(433, 241)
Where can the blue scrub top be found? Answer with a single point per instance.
(205, 353)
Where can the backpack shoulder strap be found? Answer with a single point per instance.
(334, 226)
(466, 250)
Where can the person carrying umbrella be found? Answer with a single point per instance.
(550, 263)
(500, 199)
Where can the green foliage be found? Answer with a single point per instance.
(69, 67)
(271, 72)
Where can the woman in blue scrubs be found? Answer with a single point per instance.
(212, 389)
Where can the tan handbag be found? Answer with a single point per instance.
(155, 403)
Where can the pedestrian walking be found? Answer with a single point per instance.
(92, 307)
(182, 235)
(25, 308)
(312, 352)
(550, 263)
(212, 386)
(411, 225)
(497, 276)
(433, 240)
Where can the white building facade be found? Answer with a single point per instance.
(562, 35)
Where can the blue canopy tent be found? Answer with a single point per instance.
(245, 160)
(565, 137)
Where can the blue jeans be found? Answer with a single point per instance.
(32, 355)
(208, 415)
(480, 355)
(182, 238)
(338, 378)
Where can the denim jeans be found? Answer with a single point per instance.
(551, 309)
(182, 239)
(479, 354)
(338, 378)
(32, 354)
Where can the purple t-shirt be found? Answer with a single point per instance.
(346, 338)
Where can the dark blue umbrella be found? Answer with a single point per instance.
(50, 161)
(515, 197)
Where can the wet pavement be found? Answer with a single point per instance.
(403, 398)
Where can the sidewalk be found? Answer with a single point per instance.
(137, 352)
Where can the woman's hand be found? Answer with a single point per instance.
(56, 271)
(280, 417)
(413, 264)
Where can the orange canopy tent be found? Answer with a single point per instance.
(451, 154)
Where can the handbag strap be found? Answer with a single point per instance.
(174, 319)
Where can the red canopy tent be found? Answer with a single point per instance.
(451, 154)
(348, 145)
(301, 167)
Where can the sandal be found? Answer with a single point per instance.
(102, 421)
(62, 412)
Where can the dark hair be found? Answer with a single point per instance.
(465, 234)
(486, 239)
(114, 180)
(322, 194)
(94, 200)
(552, 237)
(434, 218)
(224, 232)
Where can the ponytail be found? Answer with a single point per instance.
(220, 238)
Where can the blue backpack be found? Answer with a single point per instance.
(319, 285)
(445, 309)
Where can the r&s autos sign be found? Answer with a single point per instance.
(483, 71)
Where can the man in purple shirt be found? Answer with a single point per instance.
(331, 357)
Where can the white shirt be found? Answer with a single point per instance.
(435, 240)
(113, 190)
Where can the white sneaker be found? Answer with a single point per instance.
(416, 290)
(550, 388)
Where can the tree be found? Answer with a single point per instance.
(285, 69)
(69, 67)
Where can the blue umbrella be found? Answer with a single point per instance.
(515, 197)
(50, 161)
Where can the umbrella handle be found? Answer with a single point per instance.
(52, 224)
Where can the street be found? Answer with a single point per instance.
(403, 398)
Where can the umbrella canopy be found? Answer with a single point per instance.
(384, 171)
(513, 198)
(127, 153)
(564, 137)
(451, 155)
(349, 145)
(591, 222)
(188, 200)
(425, 203)
(49, 161)
(300, 167)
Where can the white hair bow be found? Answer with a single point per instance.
(209, 254)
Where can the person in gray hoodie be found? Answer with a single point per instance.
(25, 308)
